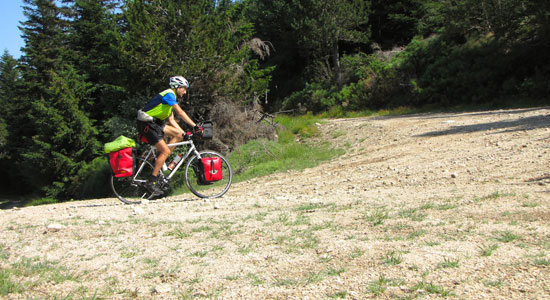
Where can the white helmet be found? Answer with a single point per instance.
(177, 81)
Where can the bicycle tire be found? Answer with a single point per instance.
(215, 189)
(130, 190)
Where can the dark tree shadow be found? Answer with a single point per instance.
(528, 123)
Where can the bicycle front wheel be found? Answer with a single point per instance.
(131, 190)
(212, 189)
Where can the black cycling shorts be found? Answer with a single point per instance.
(153, 132)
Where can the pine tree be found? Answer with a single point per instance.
(204, 40)
(44, 33)
(94, 40)
(51, 137)
(307, 36)
(65, 139)
(324, 24)
(273, 23)
(395, 22)
(9, 79)
(145, 46)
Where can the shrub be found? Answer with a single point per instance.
(94, 180)
(370, 82)
(235, 125)
(436, 71)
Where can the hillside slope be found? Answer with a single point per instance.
(424, 206)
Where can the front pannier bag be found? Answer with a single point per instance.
(212, 167)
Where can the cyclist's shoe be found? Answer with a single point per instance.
(153, 187)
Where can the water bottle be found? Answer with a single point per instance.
(175, 161)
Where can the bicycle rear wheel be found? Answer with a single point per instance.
(213, 189)
(131, 190)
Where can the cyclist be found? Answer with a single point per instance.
(156, 119)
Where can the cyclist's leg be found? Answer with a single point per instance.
(175, 134)
(154, 134)
(163, 153)
(152, 183)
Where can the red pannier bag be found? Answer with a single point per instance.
(122, 162)
(212, 167)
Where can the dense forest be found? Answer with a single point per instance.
(88, 65)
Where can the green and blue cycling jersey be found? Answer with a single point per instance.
(160, 106)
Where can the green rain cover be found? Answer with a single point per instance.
(121, 142)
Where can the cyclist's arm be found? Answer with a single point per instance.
(177, 109)
(172, 121)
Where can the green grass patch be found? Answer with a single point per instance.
(449, 263)
(313, 207)
(506, 236)
(432, 289)
(356, 253)
(339, 112)
(414, 214)
(493, 283)
(338, 295)
(416, 234)
(530, 204)
(488, 250)
(392, 258)
(542, 262)
(379, 286)
(262, 157)
(255, 279)
(377, 216)
(30, 272)
(290, 152)
(41, 201)
(8, 284)
(304, 126)
(4, 254)
(314, 277)
(179, 233)
(495, 196)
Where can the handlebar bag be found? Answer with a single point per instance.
(122, 162)
(212, 167)
(207, 130)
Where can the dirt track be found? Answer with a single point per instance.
(421, 207)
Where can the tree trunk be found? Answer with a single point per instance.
(336, 64)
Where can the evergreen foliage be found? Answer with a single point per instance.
(88, 65)
(9, 76)
(453, 53)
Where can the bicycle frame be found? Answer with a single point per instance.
(152, 151)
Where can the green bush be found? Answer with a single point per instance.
(439, 71)
(482, 70)
(94, 180)
(370, 82)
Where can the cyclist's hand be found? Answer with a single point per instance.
(197, 129)
(187, 135)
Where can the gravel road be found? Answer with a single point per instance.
(425, 206)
